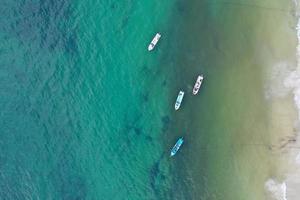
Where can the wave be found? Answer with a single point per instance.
(276, 190)
(293, 81)
(288, 188)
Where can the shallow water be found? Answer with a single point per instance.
(229, 125)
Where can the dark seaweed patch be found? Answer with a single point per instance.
(74, 189)
(132, 125)
(71, 45)
(165, 119)
(163, 177)
(43, 23)
(67, 179)
(149, 138)
(125, 22)
(156, 176)
(181, 7)
(133, 129)
(113, 6)
(145, 97)
(145, 69)
(137, 130)
(166, 122)
(154, 172)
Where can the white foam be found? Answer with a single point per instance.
(276, 190)
(275, 85)
(293, 81)
(297, 160)
(290, 75)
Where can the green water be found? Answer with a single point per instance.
(128, 118)
(227, 124)
(88, 113)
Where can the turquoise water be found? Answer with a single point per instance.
(83, 104)
(88, 113)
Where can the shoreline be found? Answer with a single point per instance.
(237, 125)
(286, 186)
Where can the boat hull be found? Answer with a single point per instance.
(179, 100)
(198, 84)
(176, 147)
(154, 42)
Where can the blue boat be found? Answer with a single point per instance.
(176, 146)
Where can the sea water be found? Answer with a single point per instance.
(83, 104)
(88, 113)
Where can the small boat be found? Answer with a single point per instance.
(197, 84)
(179, 100)
(154, 42)
(176, 146)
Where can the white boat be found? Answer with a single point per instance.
(154, 42)
(179, 100)
(197, 84)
